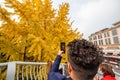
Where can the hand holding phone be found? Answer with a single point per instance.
(62, 46)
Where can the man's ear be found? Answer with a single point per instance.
(69, 68)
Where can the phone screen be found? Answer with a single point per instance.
(62, 46)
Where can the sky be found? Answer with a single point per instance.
(90, 16)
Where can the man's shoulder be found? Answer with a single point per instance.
(56, 76)
(68, 78)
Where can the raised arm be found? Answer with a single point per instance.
(57, 61)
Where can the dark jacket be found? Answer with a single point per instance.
(54, 74)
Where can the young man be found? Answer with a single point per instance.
(83, 61)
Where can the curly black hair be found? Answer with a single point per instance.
(84, 54)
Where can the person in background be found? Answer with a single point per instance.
(49, 66)
(107, 71)
(84, 59)
(99, 74)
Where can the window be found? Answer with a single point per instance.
(106, 42)
(101, 42)
(94, 37)
(116, 40)
(109, 41)
(95, 42)
(104, 34)
(114, 32)
(99, 36)
(90, 39)
(107, 33)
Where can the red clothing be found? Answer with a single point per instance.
(108, 77)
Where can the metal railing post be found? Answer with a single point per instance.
(11, 71)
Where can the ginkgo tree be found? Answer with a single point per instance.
(38, 31)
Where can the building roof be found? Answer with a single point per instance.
(115, 25)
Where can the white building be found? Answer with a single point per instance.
(108, 39)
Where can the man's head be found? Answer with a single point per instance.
(84, 59)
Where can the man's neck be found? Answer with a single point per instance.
(81, 77)
(73, 76)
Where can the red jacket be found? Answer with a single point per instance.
(108, 77)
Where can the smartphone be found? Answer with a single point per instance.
(62, 46)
